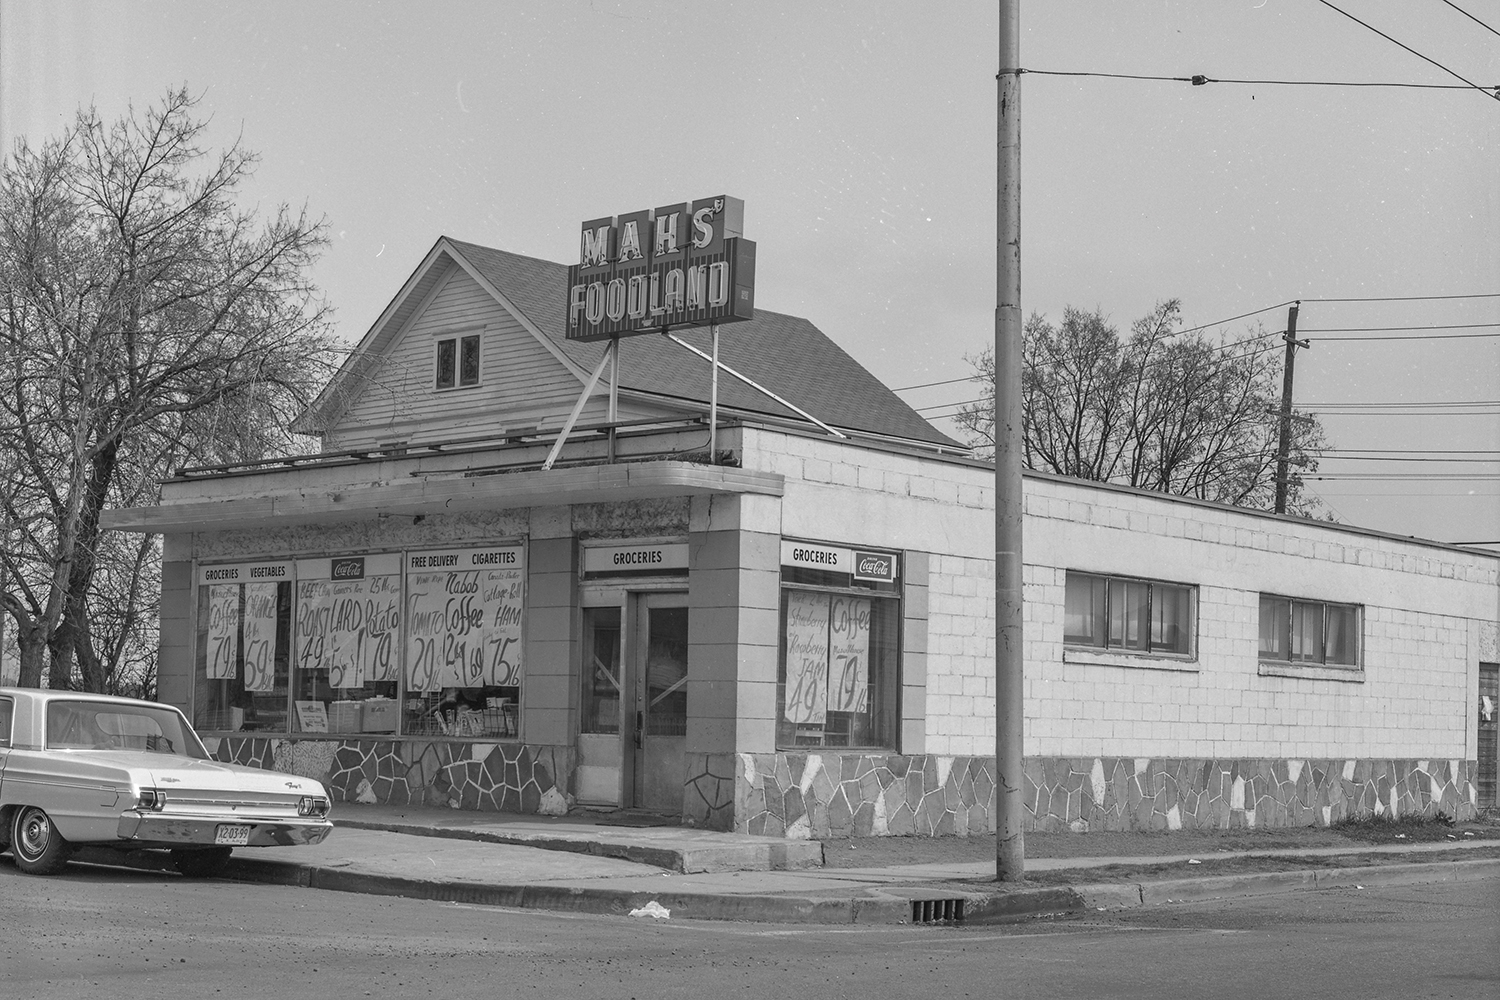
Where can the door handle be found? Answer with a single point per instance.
(640, 728)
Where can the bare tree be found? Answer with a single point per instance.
(1162, 410)
(145, 320)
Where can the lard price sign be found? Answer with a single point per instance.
(646, 271)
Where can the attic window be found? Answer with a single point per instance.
(458, 361)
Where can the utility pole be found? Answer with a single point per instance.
(1284, 442)
(1010, 805)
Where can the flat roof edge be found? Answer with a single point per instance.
(449, 494)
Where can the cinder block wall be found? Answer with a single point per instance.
(1422, 605)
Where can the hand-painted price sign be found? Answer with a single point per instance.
(500, 594)
(849, 655)
(463, 622)
(424, 629)
(806, 657)
(223, 631)
(260, 636)
(314, 623)
(346, 633)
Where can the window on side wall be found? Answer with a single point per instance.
(457, 362)
(1129, 615)
(1312, 633)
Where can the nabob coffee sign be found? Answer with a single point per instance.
(646, 271)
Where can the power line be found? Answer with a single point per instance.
(1174, 333)
(1492, 31)
(1445, 69)
(1398, 403)
(1399, 476)
(1399, 458)
(1379, 329)
(928, 385)
(1198, 80)
(1333, 412)
(1410, 298)
(1413, 336)
(1410, 451)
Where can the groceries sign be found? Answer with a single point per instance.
(679, 265)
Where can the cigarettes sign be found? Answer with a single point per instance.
(646, 271)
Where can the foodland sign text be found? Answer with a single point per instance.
(679, 265)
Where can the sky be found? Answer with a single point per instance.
(861, 136)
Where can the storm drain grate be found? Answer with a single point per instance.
(936, 911)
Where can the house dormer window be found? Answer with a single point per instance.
(458, 361)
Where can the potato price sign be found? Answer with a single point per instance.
(646, 271)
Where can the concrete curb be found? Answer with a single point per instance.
(888, 905)
(788, 855)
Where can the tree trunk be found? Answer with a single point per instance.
(72, 631)
(31, 646)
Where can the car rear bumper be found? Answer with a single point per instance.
(157, 828)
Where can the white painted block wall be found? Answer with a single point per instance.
(1427, 609)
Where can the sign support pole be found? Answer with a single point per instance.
(1010, 715)
(713, 404)
(583, 397)
(614, 393)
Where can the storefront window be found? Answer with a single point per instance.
(463, 642)
(348, 622)
(840, 648)
(242, 652)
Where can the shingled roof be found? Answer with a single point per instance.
(786, 354)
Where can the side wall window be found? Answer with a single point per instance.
(1309, 632)
(1142, 616)
(457, 362)
(7, 712)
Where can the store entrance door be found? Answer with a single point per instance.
(655, 687)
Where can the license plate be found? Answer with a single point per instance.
(232, 835)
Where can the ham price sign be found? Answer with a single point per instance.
(647, 271)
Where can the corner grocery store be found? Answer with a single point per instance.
(790, 632)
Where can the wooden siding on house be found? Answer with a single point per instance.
(521, 383)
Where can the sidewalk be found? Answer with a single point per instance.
(574, 864)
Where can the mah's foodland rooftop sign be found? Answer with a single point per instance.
(679, 265)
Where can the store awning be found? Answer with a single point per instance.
(447, 495)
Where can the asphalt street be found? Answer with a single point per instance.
(96, 932)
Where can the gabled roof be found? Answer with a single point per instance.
(786, 354)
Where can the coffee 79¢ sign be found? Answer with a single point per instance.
(679, 265)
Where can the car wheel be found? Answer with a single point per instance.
(201, 862)
(38, 847)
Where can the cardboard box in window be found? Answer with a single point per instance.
(344, 716)
(379, 715)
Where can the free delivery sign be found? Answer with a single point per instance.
(678, 265)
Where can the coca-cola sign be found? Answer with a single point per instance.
(352, 568)
(877, 566)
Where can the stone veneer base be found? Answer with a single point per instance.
(822, 795)
(861, 795)
(485, 777)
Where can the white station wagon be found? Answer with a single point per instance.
(85, 769)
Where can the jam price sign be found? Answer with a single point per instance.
(679, 265)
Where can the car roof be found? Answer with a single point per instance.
(49, 694)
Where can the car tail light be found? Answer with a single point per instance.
(150, 798)
(312, 805)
